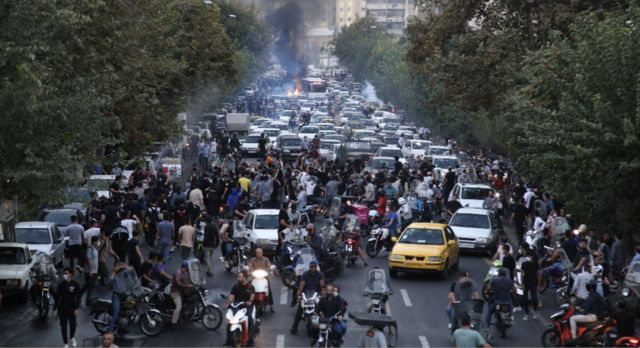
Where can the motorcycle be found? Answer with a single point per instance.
(378, 290)
(238, 325)
(238, 258)
(325, 334)
(260, 283)
(503, 319)
(556, 275)
(558, 333)
(379, 239)
(349, 254)
(308, 303)
(331, 265)
(134, 310)
(471, 307)
(40, 292)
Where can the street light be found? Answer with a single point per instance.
(232, 16)
(208, 2)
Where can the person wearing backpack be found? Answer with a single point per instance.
(591, 310)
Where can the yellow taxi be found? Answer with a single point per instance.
(425, 247)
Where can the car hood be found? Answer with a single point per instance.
(470, 232)
(271, 234)
(472, 203)
(12, 271)
(418, 250)
(45, 248)
(292, 148)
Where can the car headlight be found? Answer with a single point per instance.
(435, 259)
(395, 257)
(13, 282)
(263, 241)
(482, 240)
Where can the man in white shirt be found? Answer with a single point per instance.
(196, 197)
(528, 196)
(128, 223)
(94, 230)
(581, 281)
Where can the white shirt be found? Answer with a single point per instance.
(88, 234)
(528, 196)
(580, 284)
(538, 224)
(310, 186)
(128, 223)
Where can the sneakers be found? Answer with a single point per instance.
(534, 316)
(516, 309)
(73, 342)
(526, 317)
(449, 326)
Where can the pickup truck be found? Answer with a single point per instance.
(15, 264)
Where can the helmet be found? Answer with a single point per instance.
(402, 201)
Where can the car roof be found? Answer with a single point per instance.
(265, 211)
(383, 158)
(473, 211)
(288, 136)
(475, 186)
(427, 225)
(390, 148)
(444, 156)
(14, 245)
(34, 224)
(438, 146)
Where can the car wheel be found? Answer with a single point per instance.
(456, 265)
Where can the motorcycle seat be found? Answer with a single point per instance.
(103, 301)
(590, 325)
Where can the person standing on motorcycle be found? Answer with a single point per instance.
(263, 263)
(502, 288)
(180, 285)
(310, 281)
(334, 307)
(242, 291)
(591, 310)
(68, 306)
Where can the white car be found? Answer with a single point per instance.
(471, 195)
(325, 126)
(379, 115)
(271, 133)
(101, 184)
(327, 149)
(369, 124)
(391, 151)
(42, 236)
(285, 115)
(16, 261)
(308, 131)
(378, 163)
(307, 107)
(416, 147)
(261, 228)
(282, 126)
(438, 150)
(365, 134)
(389, 120)
(250, 145)
(442, 165)
(477, 229)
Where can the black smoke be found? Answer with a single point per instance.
(288, 24)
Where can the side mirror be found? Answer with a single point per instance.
(394, 239)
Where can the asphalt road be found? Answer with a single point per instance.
(418, 304)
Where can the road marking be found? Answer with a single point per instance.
(280, 341)
(424, 342)
(405, 298)
(284, 295)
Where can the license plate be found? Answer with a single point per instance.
(413, 263)
(467, 245)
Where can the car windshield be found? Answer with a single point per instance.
(80, 195)
(470, 220)
(391, 121)
(362, 135)
(280, 126)
(436, 151)
(368, 123)
(266, 222)
(272, 132)
(327, 146)
(252, 139)
(326, 127)
(419, 145)
(260, 121)
(390, 126)
(33, 236)
(391, 140)
(391, 153)
(422, 236)
(12, 256)
(358, 146)
(291, 142)
(309, 130)
(377, 163)
(445, 162)
(475, 192)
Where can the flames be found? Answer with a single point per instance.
(298, 89)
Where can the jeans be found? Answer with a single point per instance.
(339, 328)
(89, 285)
(115, 311)
(208, 258)
(177, 300)
(185, 252)
(164, 249)
(228, 250)
(579, 318)
(67, 317)
(533, 301)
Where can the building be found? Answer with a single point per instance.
(393, 15)
(348, 11)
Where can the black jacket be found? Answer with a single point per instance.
(68, 296)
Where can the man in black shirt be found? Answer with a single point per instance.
(530, 269)
(68, 305)
(583, 256)
(210, 241)
(333, 305)
(311, 281)
(147, 270)
(453, 205)
(242, 291)
(625, 319)
(519, 218)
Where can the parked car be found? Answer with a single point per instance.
(471, 195)
(61, 217)
(261, 227)
(477, 229)
(15, 265)
(42, 236)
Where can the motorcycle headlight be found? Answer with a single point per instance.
(395, 257)
(323, 326)
(435, 258)
(259, 273)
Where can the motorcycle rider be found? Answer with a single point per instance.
(591, 309)
(333, 306)
(120, 291)
(263, 263)
(373, 338)
(311, 281)
(180, 286)
(464, 289)
(502, 287)
(44, 267)
(315, 241)
(226, 231)
(242, 291)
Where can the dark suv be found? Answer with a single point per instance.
(288, 146)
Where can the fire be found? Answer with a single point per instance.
(293, 93)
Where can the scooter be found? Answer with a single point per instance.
(260, 283)
(589, 334)
(238, 326)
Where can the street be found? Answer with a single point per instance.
(418, 304)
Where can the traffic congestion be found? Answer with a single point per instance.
(308, 212)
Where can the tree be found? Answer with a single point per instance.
(577, 119)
